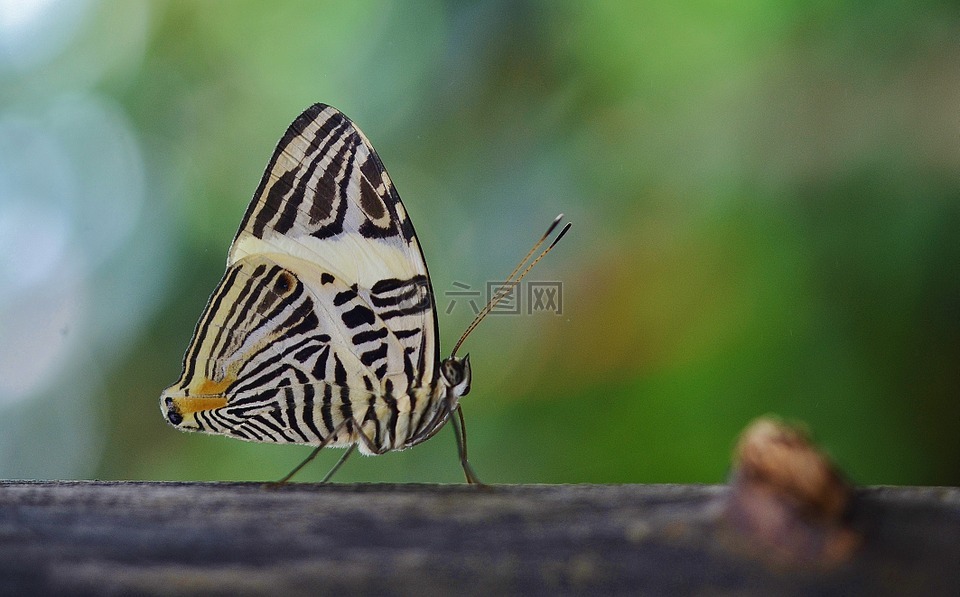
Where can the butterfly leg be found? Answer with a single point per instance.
(363, 437)
(460, 430)
(339, 463)
(323, 444)
(297, 468)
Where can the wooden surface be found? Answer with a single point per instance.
(245, 539)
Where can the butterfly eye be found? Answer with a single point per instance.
(452, 371)
(284, 283)
(456, 374)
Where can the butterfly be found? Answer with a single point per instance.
(323, 330)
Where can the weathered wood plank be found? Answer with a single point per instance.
(245, 539)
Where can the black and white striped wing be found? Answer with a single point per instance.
(325, 311)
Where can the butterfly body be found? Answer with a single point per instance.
(323, 329)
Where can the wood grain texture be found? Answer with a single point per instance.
(305, 539)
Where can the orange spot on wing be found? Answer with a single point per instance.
(213, 388)
(208, 395)
(189, 405)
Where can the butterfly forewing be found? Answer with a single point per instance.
(325, 314)
(326, 197)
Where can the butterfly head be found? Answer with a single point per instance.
(455, 375)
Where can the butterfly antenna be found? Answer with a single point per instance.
(513, 279)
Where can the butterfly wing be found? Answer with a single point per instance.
(325, 312)
(327, 197)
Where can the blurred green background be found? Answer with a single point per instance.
(765, 197)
